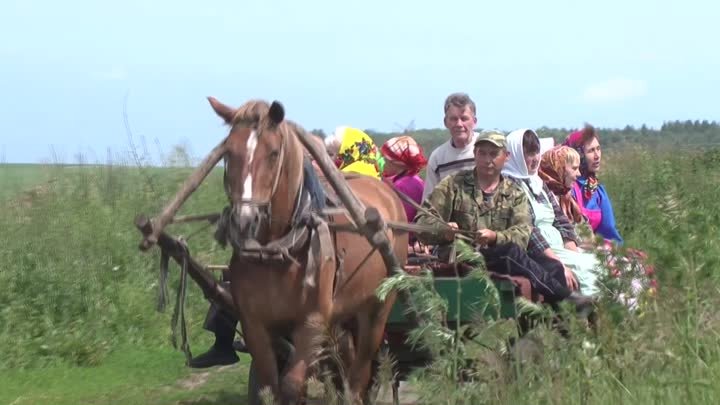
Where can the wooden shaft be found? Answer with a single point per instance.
(212, 290)
(335, 178)
(159, 223)
(369, 221)
(374, 233)
(212, 218)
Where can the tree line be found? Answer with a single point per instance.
(686, 134)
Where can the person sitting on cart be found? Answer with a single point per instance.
(456, 153)
(553, 235)
(354, 151)
(404, 159)
(495, 209)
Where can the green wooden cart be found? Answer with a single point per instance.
(466, 294)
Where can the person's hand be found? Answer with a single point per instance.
(449, 234)
(421, 249)
(485, 237)
(570, 279)
(571, 245)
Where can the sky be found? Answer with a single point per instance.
(72, 71)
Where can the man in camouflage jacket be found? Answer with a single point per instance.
(497, 210)
(455, 200)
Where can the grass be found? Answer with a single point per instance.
(15, 178)
(76, 291)
(668, 352)
(78, 324)
(131, 375)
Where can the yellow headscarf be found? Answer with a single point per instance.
(357, 152)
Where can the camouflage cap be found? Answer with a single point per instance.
(493, 136)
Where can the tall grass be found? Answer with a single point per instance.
(15, 178)
(74, 284)
(666, 352)
(74, 287)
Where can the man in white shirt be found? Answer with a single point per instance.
(457, 153)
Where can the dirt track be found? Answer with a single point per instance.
(407, 397)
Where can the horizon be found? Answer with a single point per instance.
(79, 157)
(143, 156)
(69, 68)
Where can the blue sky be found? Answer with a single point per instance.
(66, 66)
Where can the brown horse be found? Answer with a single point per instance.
(264, 183)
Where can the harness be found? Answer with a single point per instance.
(308, 241)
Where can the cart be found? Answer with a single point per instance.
(447, 276)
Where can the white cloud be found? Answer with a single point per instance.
(614, 90)
(115, 73)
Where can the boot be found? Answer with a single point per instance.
(220, 354)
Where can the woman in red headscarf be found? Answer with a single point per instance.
(404, 159)
(596, 207)
(588, 192)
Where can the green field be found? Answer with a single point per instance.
(77, 306)
(130, 375)
(77, 298)
(16, 178)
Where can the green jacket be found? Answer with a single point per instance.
(454, 199)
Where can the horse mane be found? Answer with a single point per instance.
(251, 112)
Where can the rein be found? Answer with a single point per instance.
(415, 228)
(407, 227)
(273, 191)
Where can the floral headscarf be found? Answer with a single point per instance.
(357, 151)
(588, 182)
(405, 150)
(552, 172)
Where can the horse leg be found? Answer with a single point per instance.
(294, 383)
(347, 355)
(370, 328)
(259, 343)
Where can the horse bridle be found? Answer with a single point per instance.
(276, 181)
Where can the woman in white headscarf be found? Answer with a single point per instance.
(553, 234)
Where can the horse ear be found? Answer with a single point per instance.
(223, 111)
(277, 112)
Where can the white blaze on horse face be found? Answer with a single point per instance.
(247, 185)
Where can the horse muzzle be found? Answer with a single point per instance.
(248, 218)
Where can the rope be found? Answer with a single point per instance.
(458, 233)
(407, 227)
(202, 228)
(178, 318)
(162, 297)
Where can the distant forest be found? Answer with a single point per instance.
(679, 134)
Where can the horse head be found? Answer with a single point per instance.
(263, 169)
